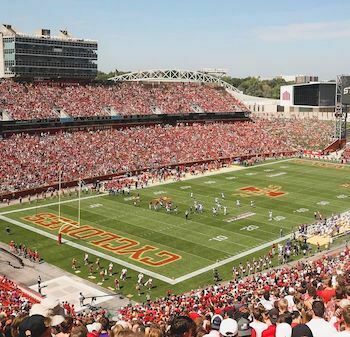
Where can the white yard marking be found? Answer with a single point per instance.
(159, 192)
(231, 259)
(251, 174)
(302, 210)
(269, 170)
(276, 174)
(249, 228)
(210, 182)
(284, 166)
(53, 203)
(95, 205)
(342, 196)
(219, 238)
(239, 217)
(185, 187)
(130, 198)
(279, 218)
(231, 178)
(323, 203)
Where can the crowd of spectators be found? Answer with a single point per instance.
(311, 298)
(40, 100)
(346, 155)
(13, 299)
(32, 160)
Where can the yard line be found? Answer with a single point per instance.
(140, 269)
(230, 259)
(54, 203)
(177, 226)
(89, 250)
(234, 169)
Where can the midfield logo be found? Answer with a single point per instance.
(271, 191)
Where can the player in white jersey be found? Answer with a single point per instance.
(86, 259)
(238, 203)
(225, 210)
(140, 278)
(200, 208)
(149, 284)
(270, 215)
(123, 274)
(110, 269)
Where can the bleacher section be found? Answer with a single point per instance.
(14, 297)
(43, 100)
(32, 160)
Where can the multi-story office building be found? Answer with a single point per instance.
(46, 57)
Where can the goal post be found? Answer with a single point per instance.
(64, 224)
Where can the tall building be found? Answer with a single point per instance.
(46, 57)
(299, 79)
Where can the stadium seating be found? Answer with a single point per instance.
(30, 161)
(285, 299)
(12, 298)
(305, 282)
(346, 155)
(38, 100)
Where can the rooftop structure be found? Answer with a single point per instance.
(46, 57)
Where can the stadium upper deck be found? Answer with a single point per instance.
(42, 100)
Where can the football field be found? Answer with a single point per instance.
(256, 207)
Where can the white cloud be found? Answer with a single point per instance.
(305, 31)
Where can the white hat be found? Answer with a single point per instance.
(50, 309)
(124, 324)
(228, 327)
(94, 327)
(283, 330)
(344, 303)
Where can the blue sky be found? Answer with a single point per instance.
(259, 38)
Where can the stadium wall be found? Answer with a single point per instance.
(80, 123)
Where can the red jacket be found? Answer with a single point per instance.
(270, 331)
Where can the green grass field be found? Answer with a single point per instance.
(180, 254)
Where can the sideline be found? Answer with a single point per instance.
(88, 250)
(52, 204)
(161, 277)
(140, 269)
(187, 177)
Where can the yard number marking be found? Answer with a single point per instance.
(249, 228)
(219, 238)
(95, 205)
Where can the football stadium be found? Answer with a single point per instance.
(168, 202)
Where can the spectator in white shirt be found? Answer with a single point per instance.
(318, 325)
